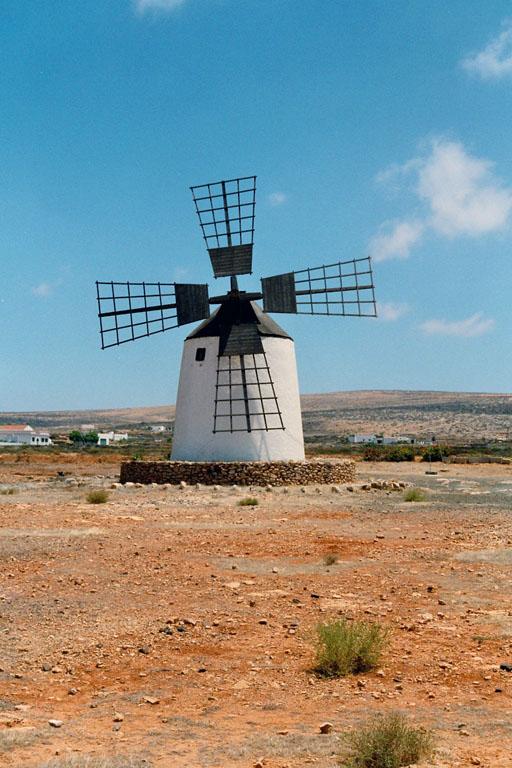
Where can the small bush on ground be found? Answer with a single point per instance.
(248, 501)
(331, 558)
(8, 491)
(386, 741)
(347, 647)
(416, 494)
(97, 497)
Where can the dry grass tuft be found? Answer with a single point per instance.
(97, 497)
(347, 647)
(331, 558)
(416, 494)
(386, 741)
(249, 501)
(12, 739)
(85, 761)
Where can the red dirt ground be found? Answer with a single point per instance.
(175, 626)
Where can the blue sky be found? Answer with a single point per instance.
(374, 127)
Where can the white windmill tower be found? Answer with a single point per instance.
(238, 394)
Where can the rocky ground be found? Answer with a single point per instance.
(174, 627)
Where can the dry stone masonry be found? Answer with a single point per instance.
(239, 472)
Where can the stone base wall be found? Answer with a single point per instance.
(239, 472)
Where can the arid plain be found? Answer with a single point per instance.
(173, 627)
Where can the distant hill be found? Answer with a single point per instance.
(447, 415)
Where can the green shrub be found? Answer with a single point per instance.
(248, 501)
(8, 491)
(375, 452)
(347, 647)
(97, 497)
(435, 453)
(399, 453)
(371, 453)
(416, 494)
(386, 741)
(331, 558)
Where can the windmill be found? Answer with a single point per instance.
(238, 394)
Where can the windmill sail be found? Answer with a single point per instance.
(245, 399)
(226, 215)
(129, 311)
(345, 288)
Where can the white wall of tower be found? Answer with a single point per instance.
(194, 436)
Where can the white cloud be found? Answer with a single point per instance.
(459, 195)
(277, 198)
(390, 311)
(45, 289)
(395, 240)
(157, 5)
(495, 60)
(476, 325)
(463, 195)
(42, 289)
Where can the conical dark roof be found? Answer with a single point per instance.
(239, 324)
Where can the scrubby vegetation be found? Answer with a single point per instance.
(415, 494)
(386, 741)
(346, 647)
(248, 501)
(390, 453)
(97, 497)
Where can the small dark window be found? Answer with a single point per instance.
(200, 354)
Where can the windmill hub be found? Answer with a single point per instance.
(238, 395)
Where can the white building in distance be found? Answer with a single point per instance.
(23, 434)
(105, 438)
(381, 440)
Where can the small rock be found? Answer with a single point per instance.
(150, 700)
(283, 732)
(144, 650)
(474, 760)
(326, 728)
(275, 570)
(56, 723)
(506, 667)
(118, 717)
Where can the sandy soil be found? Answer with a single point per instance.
(175, 626)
